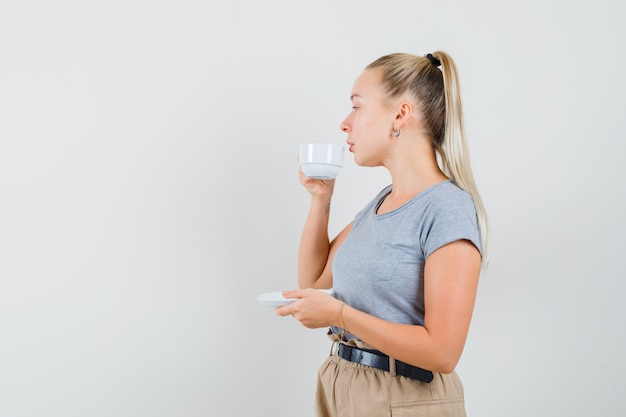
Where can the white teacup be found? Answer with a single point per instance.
(321, 161)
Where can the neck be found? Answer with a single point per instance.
(413, 168)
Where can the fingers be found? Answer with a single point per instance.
(294, 293)
(283, 311)
(288, 309)
(311, 309)
(316, 186)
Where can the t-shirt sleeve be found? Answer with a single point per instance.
(450, 220)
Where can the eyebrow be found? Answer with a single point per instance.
(353, 96)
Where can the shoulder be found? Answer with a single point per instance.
(449, 188)
(451, 216)
(448, 196)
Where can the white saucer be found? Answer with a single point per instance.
(276, 299)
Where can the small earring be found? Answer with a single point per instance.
(396, 133)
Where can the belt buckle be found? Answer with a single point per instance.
(334, 349)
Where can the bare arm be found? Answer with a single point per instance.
(325, 278)
(451, 281)
(315, 253)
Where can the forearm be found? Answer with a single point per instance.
(411, 344)
(314, 243)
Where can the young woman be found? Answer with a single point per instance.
(405, 271)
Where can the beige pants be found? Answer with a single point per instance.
(349, 389)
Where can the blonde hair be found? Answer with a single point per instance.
(437, 92)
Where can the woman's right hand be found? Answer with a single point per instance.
(317, 188)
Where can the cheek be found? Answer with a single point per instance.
(371, 129)
(365, 122)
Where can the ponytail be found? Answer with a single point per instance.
(453, 149)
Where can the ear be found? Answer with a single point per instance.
(403, 115)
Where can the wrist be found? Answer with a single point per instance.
(342, 324)
(321, 203)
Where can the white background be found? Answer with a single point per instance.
(148, 194)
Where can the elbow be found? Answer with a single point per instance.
(445, 368)
(445, 362)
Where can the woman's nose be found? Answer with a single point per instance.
(344, 126)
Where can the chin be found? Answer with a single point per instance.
(358, 161)
(364, 162)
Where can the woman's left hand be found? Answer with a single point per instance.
(314, 309)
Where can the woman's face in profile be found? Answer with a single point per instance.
(370, 124)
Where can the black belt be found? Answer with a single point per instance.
(379, 360)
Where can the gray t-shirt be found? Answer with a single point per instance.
(379, 268)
